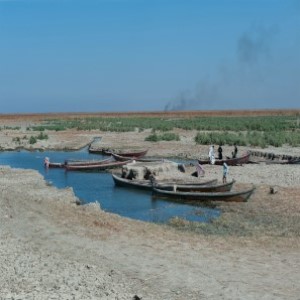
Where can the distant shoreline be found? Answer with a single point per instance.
(191, 113)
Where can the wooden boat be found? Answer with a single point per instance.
(225, 187)
(147, 184)
(276, 162)
(237, 196)
(139, 159)
(103, 151)
(132, 154)
(139, 184)
(54, 165)
(78, 163)
(294, 161)
(229, 161)
(97, 167)
(88, 162)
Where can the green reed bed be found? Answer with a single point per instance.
(256, 131)
(267, 123)
(252, 138)
(10, 128)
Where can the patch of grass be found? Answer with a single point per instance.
(42, 136)
(263, 215)
(162, 137)
(32, 140)
(10, 128)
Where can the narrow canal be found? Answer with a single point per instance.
(99, 186)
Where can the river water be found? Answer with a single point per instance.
(99, 186)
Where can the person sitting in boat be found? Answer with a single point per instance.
(225, 172)
(235, 151)
(220, 151)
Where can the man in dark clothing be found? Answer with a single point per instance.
(220, 150)
(235, 151)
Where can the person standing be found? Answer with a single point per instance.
(211, 154)
(235, 151)
(225, 172)
(220, 151)
(46, 162)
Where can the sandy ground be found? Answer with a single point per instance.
(53, 249)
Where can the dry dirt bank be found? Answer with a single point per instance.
(53, 249)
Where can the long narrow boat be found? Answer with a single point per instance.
(229, 161)
(97, 167)
(54, 165)
(132, 154)
(137, 158)
(139, 184)
(147, 184)
(240, 196)
(79, 163)
(294, 161)
(136, 154)
(88, 162)
(225, 187)
(103, 151)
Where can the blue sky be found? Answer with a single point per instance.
(148, 55)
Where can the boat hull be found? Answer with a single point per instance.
(137, 158)
(197, 188)
(242, 196)
(98, 167)
(147, 184)
(123, 154)
(54, 165)
(123, 182)
(230, 161)
(79, 163)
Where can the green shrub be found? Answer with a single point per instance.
(16, 140)
(152, 138)
(32, 140)
(42, 136)
(168, 136)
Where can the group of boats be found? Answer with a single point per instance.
(115, 160)
(209, 190)
(88, 165)
(245, 159)
(188, 191)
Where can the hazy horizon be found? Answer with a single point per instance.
(61, 56)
